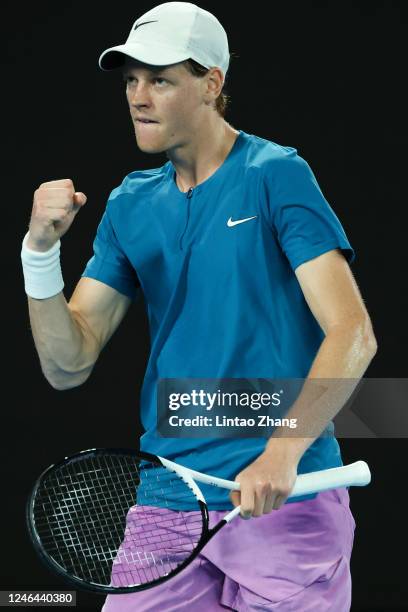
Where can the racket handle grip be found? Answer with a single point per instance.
(353, 475)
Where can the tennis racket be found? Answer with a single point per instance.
(118, 521)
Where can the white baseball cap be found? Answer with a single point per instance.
(169, 33)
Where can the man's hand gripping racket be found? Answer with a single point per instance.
(117, 521)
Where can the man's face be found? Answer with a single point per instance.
(169, 96)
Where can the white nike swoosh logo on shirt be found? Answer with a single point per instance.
(231, 223)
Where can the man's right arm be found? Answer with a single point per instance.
(70, 336)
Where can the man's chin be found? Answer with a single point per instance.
(150, 148)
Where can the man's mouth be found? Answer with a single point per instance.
(145, 121)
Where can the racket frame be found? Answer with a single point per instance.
(52, 564)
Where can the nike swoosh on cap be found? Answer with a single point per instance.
(231, 223)
(144, 23)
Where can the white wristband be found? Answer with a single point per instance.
(42, 271)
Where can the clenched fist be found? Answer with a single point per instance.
(54, 207)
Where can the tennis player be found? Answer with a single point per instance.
(244, 268)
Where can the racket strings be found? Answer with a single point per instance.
(111, 520)
(158, 539)
(82, 510)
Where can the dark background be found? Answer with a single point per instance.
(324, 77)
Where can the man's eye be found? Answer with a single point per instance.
(159, 80)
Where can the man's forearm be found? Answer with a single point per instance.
(66, 358)
(340, 363)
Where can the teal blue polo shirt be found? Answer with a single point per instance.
(222, 297)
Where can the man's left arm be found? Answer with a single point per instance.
(349, 345)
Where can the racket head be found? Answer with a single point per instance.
(71, 507)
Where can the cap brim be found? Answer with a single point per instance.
(158, 55)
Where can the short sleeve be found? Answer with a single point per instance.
(109, 263)
(305, 224)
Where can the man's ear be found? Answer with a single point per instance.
(214, 84)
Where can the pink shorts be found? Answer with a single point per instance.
(296, 559)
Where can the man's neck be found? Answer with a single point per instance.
(202, 158)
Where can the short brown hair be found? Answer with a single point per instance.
(198, 70)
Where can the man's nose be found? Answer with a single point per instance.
(139, 95)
